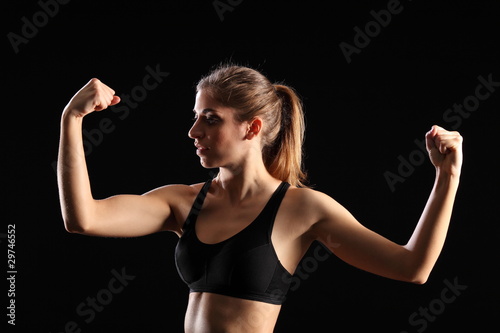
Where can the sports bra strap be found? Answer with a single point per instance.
(198, 203)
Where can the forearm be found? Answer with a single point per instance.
(429, 236)
(75, 193)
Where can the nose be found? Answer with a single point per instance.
(195, 130)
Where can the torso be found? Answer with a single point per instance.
(208, 312)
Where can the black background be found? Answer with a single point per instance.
(360, 117)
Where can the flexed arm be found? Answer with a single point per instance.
(369, 251)
(121, 215)
(445, 151)
(77, 203)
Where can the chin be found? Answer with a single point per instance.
(208, 164)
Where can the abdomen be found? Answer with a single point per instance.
(213, 313)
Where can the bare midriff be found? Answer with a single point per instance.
(213, 313)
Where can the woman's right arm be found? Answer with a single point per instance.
(117, 216)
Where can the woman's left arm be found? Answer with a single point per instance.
(445, 151)
(365, 249)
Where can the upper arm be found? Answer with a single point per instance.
(128, 215)
(336, 228)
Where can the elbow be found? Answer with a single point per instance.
(420, 280)
(73, 230)
(416, 269)
(418, 277)
(73, 226)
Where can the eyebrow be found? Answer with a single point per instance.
(207, 110)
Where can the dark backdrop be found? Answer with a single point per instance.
(365, 107)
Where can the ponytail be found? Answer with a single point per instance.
(251, 94)
(283, 157)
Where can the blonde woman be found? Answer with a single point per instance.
(243, 233)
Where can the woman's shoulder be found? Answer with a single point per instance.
(307, 196)
(176, 192)
(310, 203)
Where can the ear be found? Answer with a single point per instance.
(254, 128)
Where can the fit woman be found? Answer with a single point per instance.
(244, 232)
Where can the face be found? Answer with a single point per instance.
(220, 139)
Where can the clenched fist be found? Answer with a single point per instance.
(94, 96)
(445, 150)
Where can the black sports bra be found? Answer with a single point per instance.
(243, 266)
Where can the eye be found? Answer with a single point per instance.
(212, 120)
(209, 119)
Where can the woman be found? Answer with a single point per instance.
(243, 233)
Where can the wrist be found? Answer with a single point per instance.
(70, 114)
(446, 177)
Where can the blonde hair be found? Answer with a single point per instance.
(251, 94)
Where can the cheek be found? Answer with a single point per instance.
(217, 139)
(226, 137)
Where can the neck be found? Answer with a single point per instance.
(244, 180)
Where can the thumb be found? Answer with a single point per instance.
(429, 138)
(115, 100)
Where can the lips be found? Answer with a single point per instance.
(200, 147)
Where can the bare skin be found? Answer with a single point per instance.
(238, 194)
